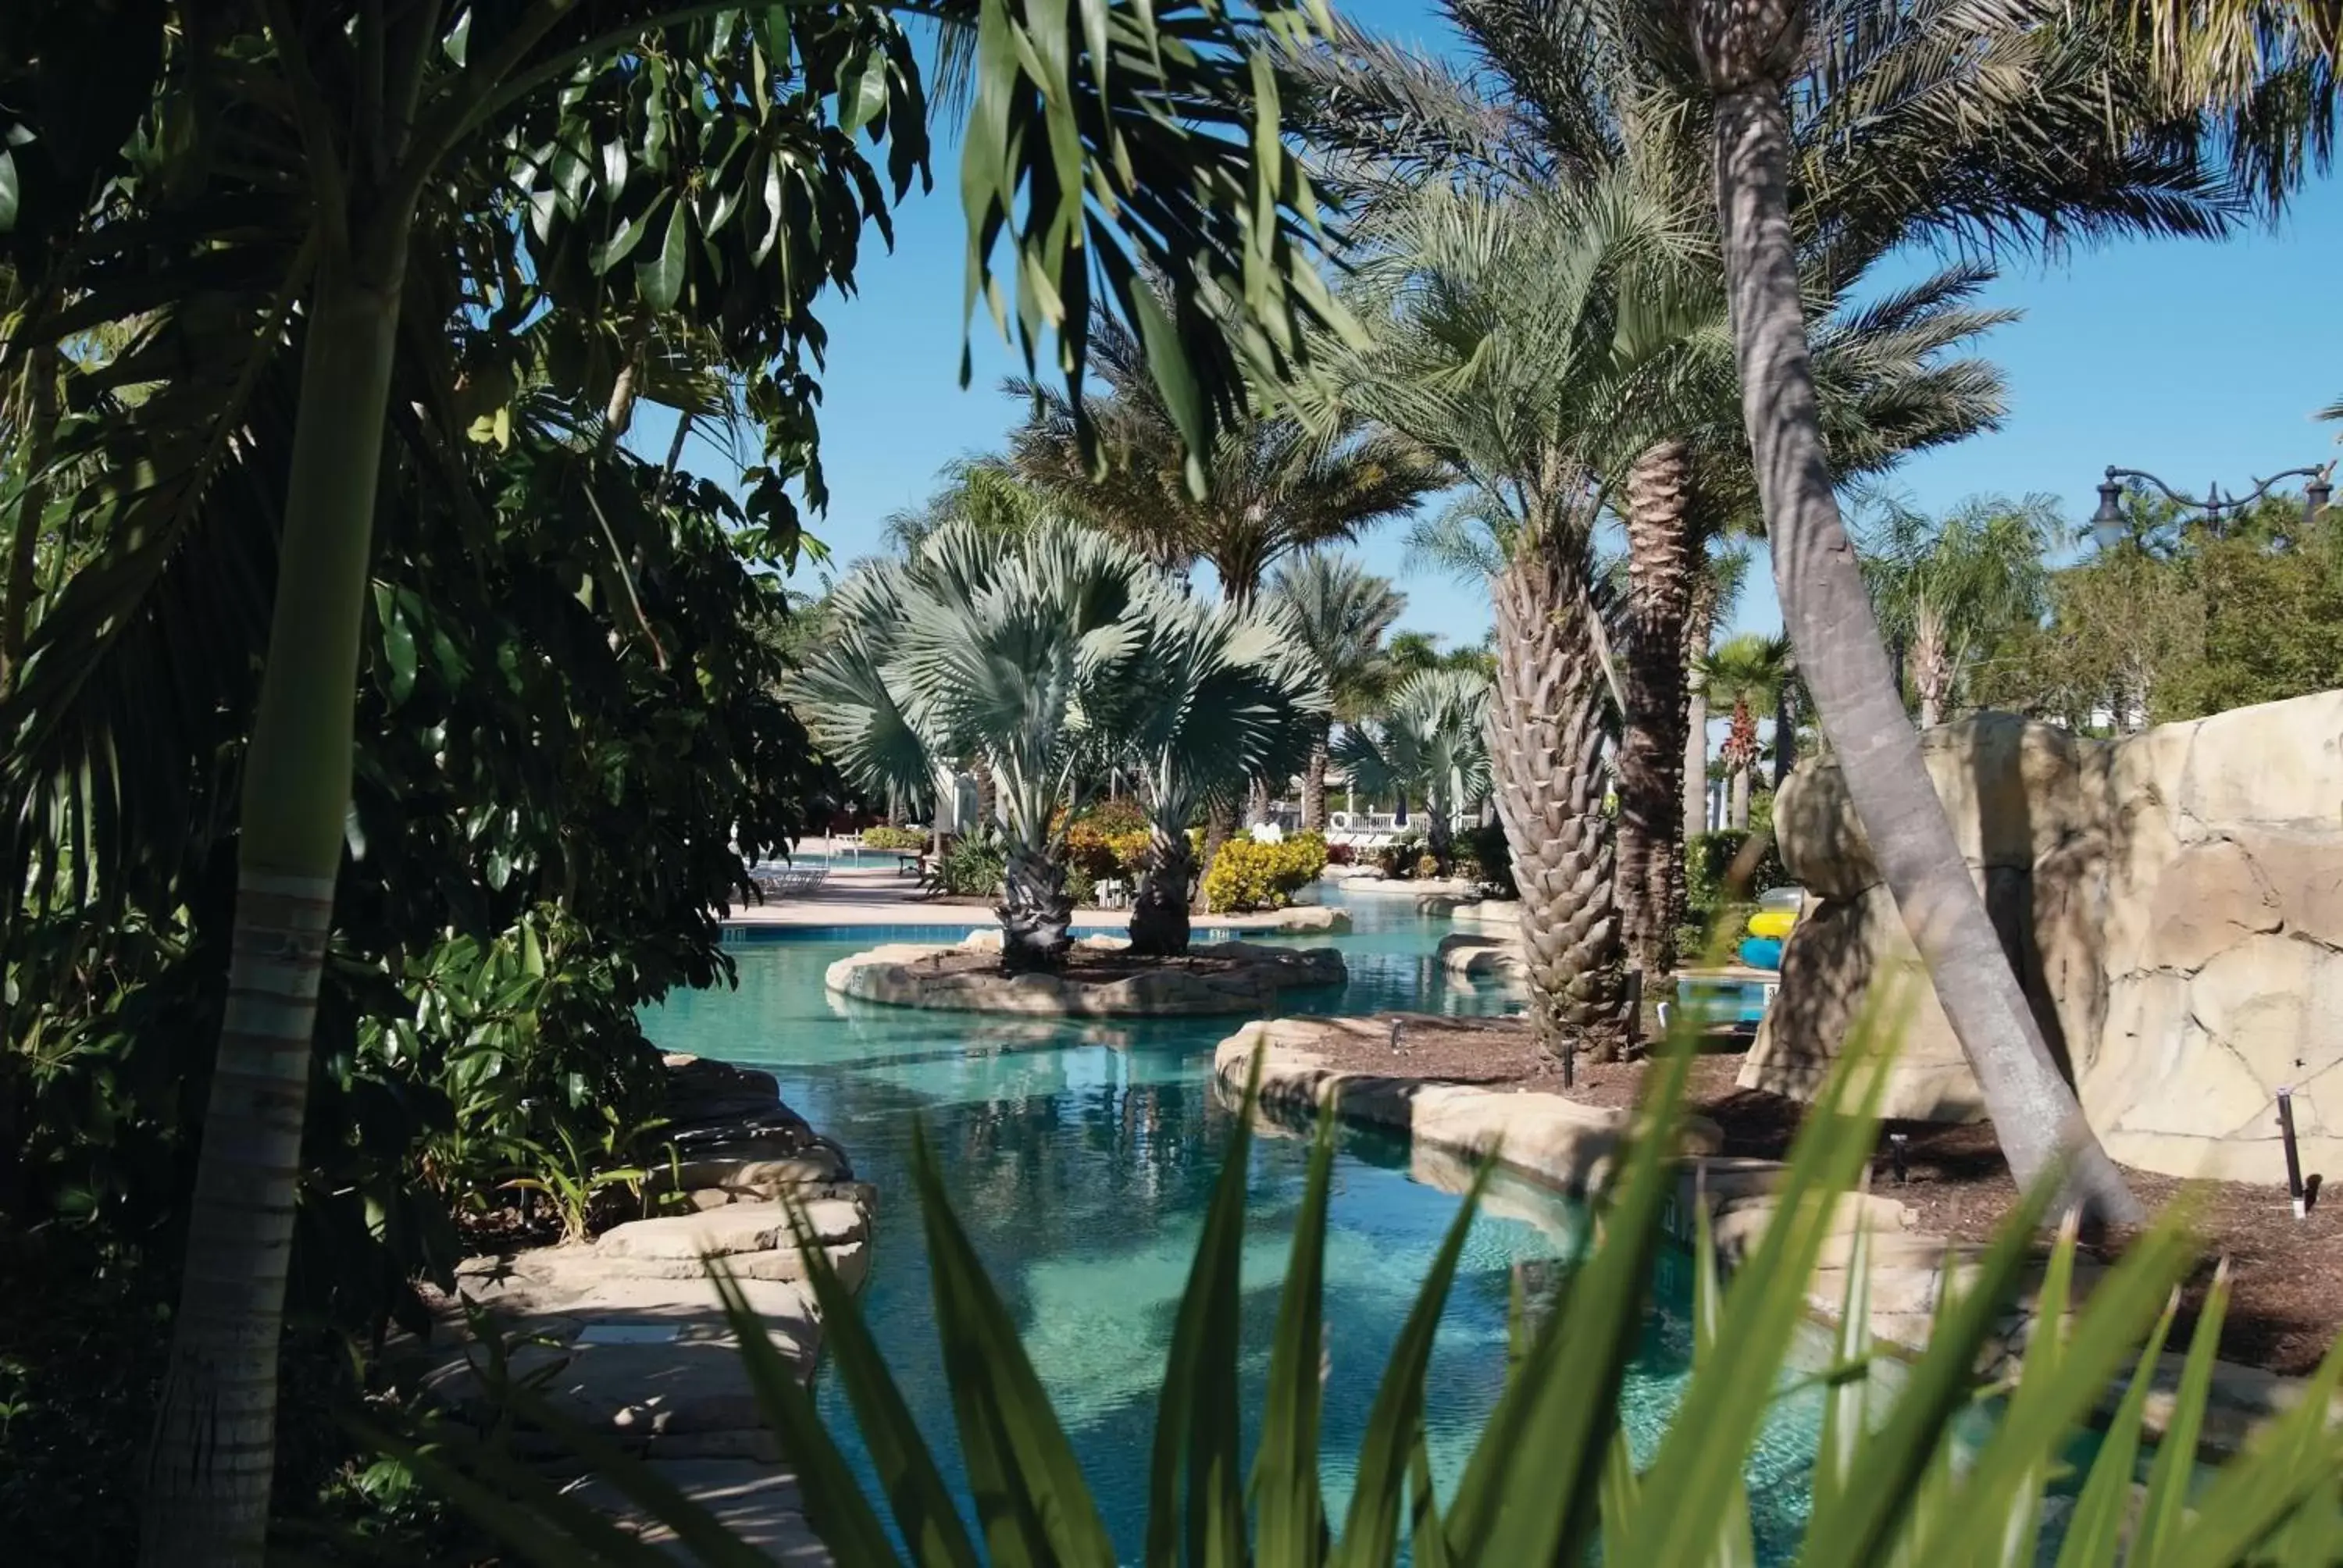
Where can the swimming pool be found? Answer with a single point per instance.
(1081, 1157)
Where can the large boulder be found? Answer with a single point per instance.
(2172, 902)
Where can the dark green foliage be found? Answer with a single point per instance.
(1715, 900)
(2179, 622)
(1492, 856)
(970, 867)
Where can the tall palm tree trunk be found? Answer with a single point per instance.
(206, 1498)
(1699, 622)
(1159, 913)
(1740, 798)
(988, 796)
(1545, 750)
(1745, 48)
(1314, 779)
(1650, 761)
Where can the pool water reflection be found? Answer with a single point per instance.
(1081, 1157)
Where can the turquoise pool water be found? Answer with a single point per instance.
(1081, 1157)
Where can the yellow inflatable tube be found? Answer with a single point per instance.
(1772, 923)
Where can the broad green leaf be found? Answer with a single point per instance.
(1197, 1421)
(1030, 1496)
(1371, 1531)
(660, 279)
(2175, 1451)
(458, 43)
(1529, 1492)
(2095, 1531)
(864, 95)
(924, 1513)
(398, 647)
(9, 196)
(835, 1505)
(1290, 1512)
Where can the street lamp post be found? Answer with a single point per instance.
(2109, 526)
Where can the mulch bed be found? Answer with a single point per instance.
(1084, 966)
(2285, 1304)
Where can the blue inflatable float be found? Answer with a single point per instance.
(1762, 953)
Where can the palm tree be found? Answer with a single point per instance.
(1412, 652)
(1227, 694)
(1748, 52)
(1528, 340)
(1341, 612)
(979, 491)
(1025, 650)
(1751, 670)
(1946, 589)
(1268, 487)
(1429, 743)
(1717, 588)
(1591, 90)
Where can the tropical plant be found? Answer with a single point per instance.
(1947, 589)
(1431, 743)
(1749, 54)
(1268, 486)
(1222, 693)
(1551, 1478)
(1027, 650)
(406, 161)
(979, 491)
(1602, 90)
(1750, 671)
(970, 866)
(1341, 612)
(1717, 588)
(1414, 652)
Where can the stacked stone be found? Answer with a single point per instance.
(626, 1334)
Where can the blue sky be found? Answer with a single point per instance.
(2199, 362)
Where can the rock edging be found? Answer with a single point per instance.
(627, 1334)
(1564, 1144)
(903, 974)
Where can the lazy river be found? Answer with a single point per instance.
(1081, 1157)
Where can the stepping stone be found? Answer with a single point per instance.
(776, 1162)
(735, 1228)
(760, 1504)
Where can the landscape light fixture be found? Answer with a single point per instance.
(2109, 527)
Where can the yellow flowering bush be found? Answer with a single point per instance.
(1248, 875)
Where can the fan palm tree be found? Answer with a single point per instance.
(1227, 694)
(1026, 651)
(1750, 671)
(1340, 612)
(1430, 742)
(1749, 51)
(1948, 588)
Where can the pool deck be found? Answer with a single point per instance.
(880, 896)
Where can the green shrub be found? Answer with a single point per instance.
(894, 838)
(1427, 867)
(1248, 875)
(1708, 861)
(970, 867)
(1488, 847)
(1080, 886)
(1104, 852)
(1396, 860)
(1900, 1473)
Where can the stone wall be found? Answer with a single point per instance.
(2173, 903)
